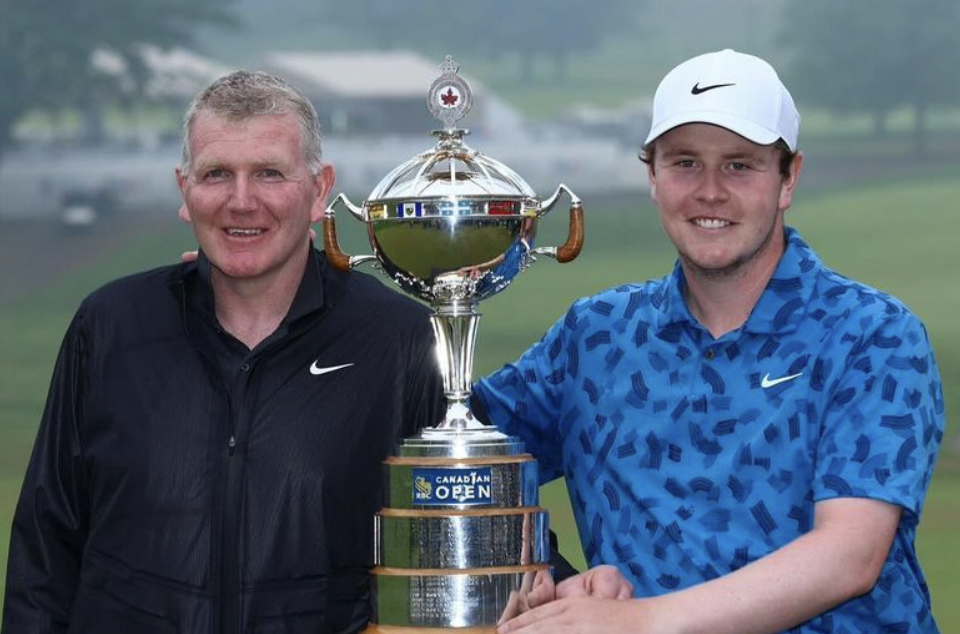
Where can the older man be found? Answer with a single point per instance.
(209, 456)
(748, 439)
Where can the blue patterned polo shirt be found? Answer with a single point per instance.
(688, 457)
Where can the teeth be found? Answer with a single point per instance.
(711, 223)
(244, 232)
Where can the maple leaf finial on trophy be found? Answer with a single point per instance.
(449, 98)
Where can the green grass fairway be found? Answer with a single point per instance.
(899, 237)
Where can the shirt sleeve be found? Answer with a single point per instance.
(883, 425)
(525, 398)
(51, 519)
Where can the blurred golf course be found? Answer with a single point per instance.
(898, 233)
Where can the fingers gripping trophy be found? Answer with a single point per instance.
(461, 535)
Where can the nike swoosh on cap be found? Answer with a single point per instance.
(316, 370)
(697, 90)
(766, 381)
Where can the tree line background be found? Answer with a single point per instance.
(873, 58)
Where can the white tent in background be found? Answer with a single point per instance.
(173, 74)
(178, 73)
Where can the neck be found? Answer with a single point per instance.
(252, 309)
(722, 305)
(722, 302)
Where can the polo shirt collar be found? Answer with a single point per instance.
(784, 302)
(672, 306)
(780, 308)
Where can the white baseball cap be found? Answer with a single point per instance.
(739, 92)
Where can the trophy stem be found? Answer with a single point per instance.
(455, 326)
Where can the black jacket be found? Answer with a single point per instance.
(168, 494)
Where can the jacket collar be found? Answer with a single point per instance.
(194, 279)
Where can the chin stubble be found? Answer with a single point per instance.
(735, 267)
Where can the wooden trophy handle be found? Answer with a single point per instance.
(331, 244)
(571, 249)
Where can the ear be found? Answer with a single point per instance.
(184, 212)
(323, 184)
(652, 180)
(789, 183)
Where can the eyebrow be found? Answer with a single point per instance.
(744, 152)
(272, 163)
(216, 163)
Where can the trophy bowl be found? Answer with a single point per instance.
(452, 225)
(461, 535)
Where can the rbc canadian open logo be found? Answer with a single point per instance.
(452, 486)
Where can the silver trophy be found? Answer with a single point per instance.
(461, 535)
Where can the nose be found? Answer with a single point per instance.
(242, 194)
(711, 188)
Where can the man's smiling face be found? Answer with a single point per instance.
(250, 194)
(721, 199)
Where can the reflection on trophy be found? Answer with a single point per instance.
(461, 535)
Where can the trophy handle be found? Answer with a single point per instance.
(571, 248)
(331, 241)
(342, 198)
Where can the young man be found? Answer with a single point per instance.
(748, 439)
(209, 458)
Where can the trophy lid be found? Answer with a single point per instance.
(451, 169)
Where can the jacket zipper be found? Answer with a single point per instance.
(231, 606)
(226, 566)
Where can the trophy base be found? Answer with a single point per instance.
(461, 537)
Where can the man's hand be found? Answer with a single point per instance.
(583, 605)
(529, 596)
(602, 582)
(579, 615)
(544, 590)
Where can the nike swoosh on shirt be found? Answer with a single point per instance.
(316, 370)
(766, 381)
